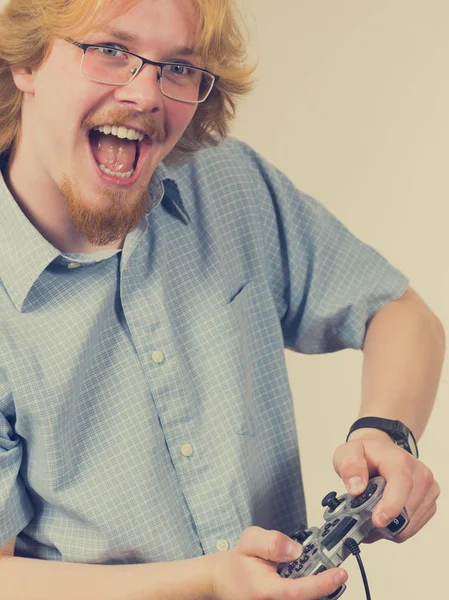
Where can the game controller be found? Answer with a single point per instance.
(345, 517)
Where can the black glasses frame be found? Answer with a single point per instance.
(147, 61)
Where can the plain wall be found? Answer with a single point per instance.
(352, 104)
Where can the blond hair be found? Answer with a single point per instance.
(29, 27)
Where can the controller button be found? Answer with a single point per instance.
(339, 532)
(336, 522)
(397, 524)
(336, 593)
(315, 551)
(309, 548)
(299, 568)
(304, 558)
(359, 500)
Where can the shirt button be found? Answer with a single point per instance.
(186, 450)
(73, 265)
(157, 357)
(222, 545)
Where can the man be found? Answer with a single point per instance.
(145, 410)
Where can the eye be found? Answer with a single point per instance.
(179, 69)
(108, 51)
(112, 50)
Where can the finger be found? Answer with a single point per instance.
(396, 493)
(423, 513)
(313, 587)
(425, 490)
(350, 464)
(416, 525)
(270, 545)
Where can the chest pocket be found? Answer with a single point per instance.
(219, 362)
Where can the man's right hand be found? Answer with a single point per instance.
(249, 571)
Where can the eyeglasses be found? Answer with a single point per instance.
(113, 66)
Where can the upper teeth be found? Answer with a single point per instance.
(121, 132)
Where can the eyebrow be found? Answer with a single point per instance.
(131, 38)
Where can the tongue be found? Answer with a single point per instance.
(112, 152)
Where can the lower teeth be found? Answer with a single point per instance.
(113, 174)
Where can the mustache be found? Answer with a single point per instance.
(145, 123)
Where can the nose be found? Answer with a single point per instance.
(143, 91)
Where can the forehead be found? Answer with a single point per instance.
(152, 21)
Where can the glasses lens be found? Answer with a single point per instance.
(109, 65)
(186, 83)
(181, 82)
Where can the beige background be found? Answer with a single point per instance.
(356, 114)
(352, 104)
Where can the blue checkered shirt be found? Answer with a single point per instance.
(145, 409)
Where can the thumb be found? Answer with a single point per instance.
(350, 463)
(270, 545)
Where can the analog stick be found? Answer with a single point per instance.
(331, 501)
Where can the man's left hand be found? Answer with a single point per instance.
(410, 483)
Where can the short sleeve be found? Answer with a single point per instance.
(16, 509)
(326, 282)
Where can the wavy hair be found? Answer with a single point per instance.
(28, 29)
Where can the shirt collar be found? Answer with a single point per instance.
(25, 253)
(172, 200)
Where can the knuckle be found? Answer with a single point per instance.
(427, 476)
(253, 531)
(246, 536)
(276, 544)
(246, 541)
(354, 445)
(404, 458)
(350, 463)
(351, 447)
(343, 447)
(406, 481)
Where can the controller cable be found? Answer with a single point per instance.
(354, 548)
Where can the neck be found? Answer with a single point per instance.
(42, 203)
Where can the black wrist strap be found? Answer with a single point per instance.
(371, 423)
(395, 429)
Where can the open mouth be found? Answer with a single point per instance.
(118, 150)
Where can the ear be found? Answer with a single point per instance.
(24, 79)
